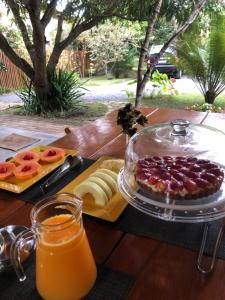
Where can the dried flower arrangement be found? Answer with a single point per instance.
(127, 117)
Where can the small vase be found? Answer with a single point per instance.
(127, 139)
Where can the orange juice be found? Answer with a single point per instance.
(65, 268)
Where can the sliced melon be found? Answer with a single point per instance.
(106, 188)
(92, 188)
(113, 164)
(109, 172)
(108, 179)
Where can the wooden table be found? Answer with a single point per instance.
(160, 270)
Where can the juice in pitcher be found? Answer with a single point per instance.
(65, 267)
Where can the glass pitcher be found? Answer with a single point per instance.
(65, 267)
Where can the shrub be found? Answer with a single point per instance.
(123, 67)
(3, 68)
(64, 93)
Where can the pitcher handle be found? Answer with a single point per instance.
(24, 242)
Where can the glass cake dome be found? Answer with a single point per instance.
(188, 148)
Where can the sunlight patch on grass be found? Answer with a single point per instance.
(102, 80)
(4, 91)
(88, 112)
(181, 100)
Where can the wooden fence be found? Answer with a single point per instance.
(13, 78)
(78, 61)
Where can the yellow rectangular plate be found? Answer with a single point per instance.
(109, 212)
(18, 186)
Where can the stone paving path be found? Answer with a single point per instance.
(10, 98)
(106, 93)
(115, 92)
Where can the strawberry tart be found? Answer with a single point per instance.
(178, 177)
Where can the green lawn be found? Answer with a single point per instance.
(4, 91)
(89, 112)
(102, 80)
(180, 101)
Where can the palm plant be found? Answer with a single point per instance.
(205, 62)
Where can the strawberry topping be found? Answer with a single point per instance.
(181, 177)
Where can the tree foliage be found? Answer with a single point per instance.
(33, 16)
(163, 29)
(80, 15)
(180, 10)
(110, 43)
(194, 8)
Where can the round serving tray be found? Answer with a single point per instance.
(203, 209)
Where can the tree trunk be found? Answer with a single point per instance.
(41, 85)
(210, 97)
(142, 79)
(141, 82)
(106, 70)
(21, 63)
(40, 71)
